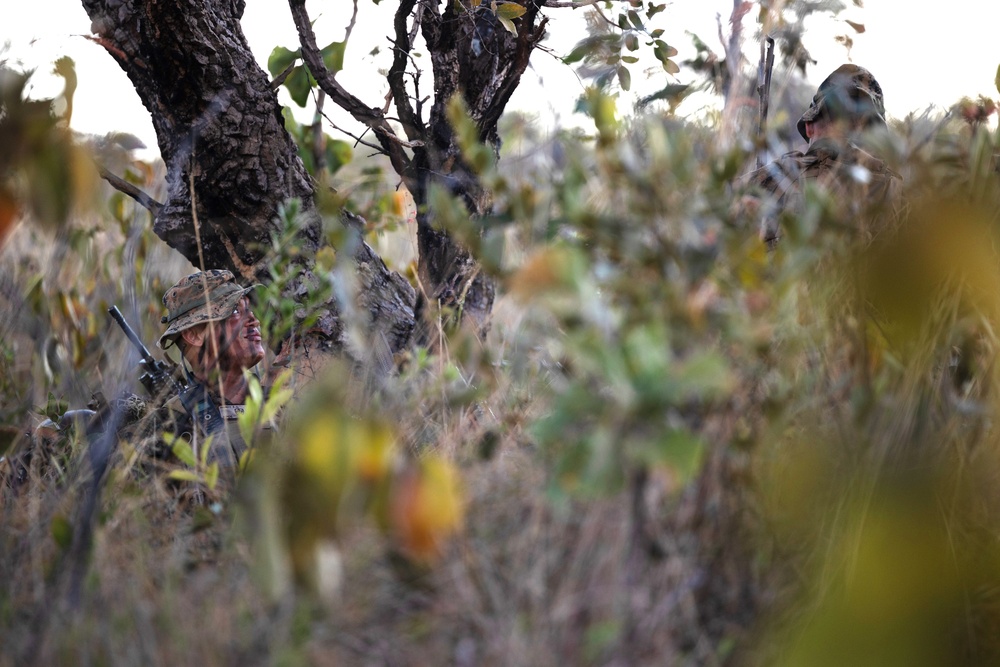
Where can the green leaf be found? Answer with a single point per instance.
(680, 450)
(997, 80)
(510, 10)
(279, 59)
(703, 375)
(632, 41)
(633, 16)
(206, 447)
(247, 421)
(212, 476)
(299, 84)
(184, 476)
(338, 153)
(673, 93)
(62, 531)
(333, 56)
(588, 46)
(254, 389)
(663, 53)
(624, 78)
(652, 10)
(182, 450)
(275, 402)
(508, 24)
(668, 50)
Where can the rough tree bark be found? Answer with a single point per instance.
(231, 163)
(471, 55)
(219, 129)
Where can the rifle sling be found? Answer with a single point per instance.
(202, 409)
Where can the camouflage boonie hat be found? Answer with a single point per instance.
(206, 296)
(850, 92)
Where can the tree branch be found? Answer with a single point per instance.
(570, 5)
(412, 124)
(280, 79)
(132, 191)
(526, 41)
(350, 26)
(357, 139)
(372, 117)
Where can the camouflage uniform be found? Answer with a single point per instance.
(199, 411)
(861, 184)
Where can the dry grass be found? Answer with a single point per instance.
(844, 510)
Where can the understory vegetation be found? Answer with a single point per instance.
(672, 447)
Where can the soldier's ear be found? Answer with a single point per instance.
(195, 336)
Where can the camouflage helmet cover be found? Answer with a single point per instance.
(850, 92)
(206, 296)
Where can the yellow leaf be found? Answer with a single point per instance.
(212, 476)
(182, 450)
(8, 215)
(545, 270)
(184, 476)
(427, 507)
(326, 257)
(375, 454)
(510, 10)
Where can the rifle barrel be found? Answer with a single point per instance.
(132, 336)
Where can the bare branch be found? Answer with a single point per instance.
(370, 116)
(350, 26)
(412, 124)
(132, 191)
(357, 138)
(318, 140)
(417, 17)
(570, 5)
(280, 79)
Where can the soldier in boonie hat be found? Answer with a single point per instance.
(206, 296)
(211, 321)
(849, 94)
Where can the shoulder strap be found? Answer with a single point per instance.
(202, 409)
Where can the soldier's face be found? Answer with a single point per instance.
(239, 341)
(825, 127)
(232, 344)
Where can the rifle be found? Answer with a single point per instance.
(158, 376)
(764, 93)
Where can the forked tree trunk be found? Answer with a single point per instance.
(221, 135)
(231, 164)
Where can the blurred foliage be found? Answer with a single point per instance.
(673, 448)
(41, 170)
(299, 80)
(612, 45)
(335, 152)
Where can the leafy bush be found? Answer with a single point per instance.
(674, 447)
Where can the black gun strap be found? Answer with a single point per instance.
(202, 409)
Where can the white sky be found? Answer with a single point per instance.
(920, 56)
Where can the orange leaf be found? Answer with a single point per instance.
(8, 215)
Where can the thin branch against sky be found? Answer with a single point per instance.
(922, 58)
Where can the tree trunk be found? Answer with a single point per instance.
(473, 55)
(230, 163)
